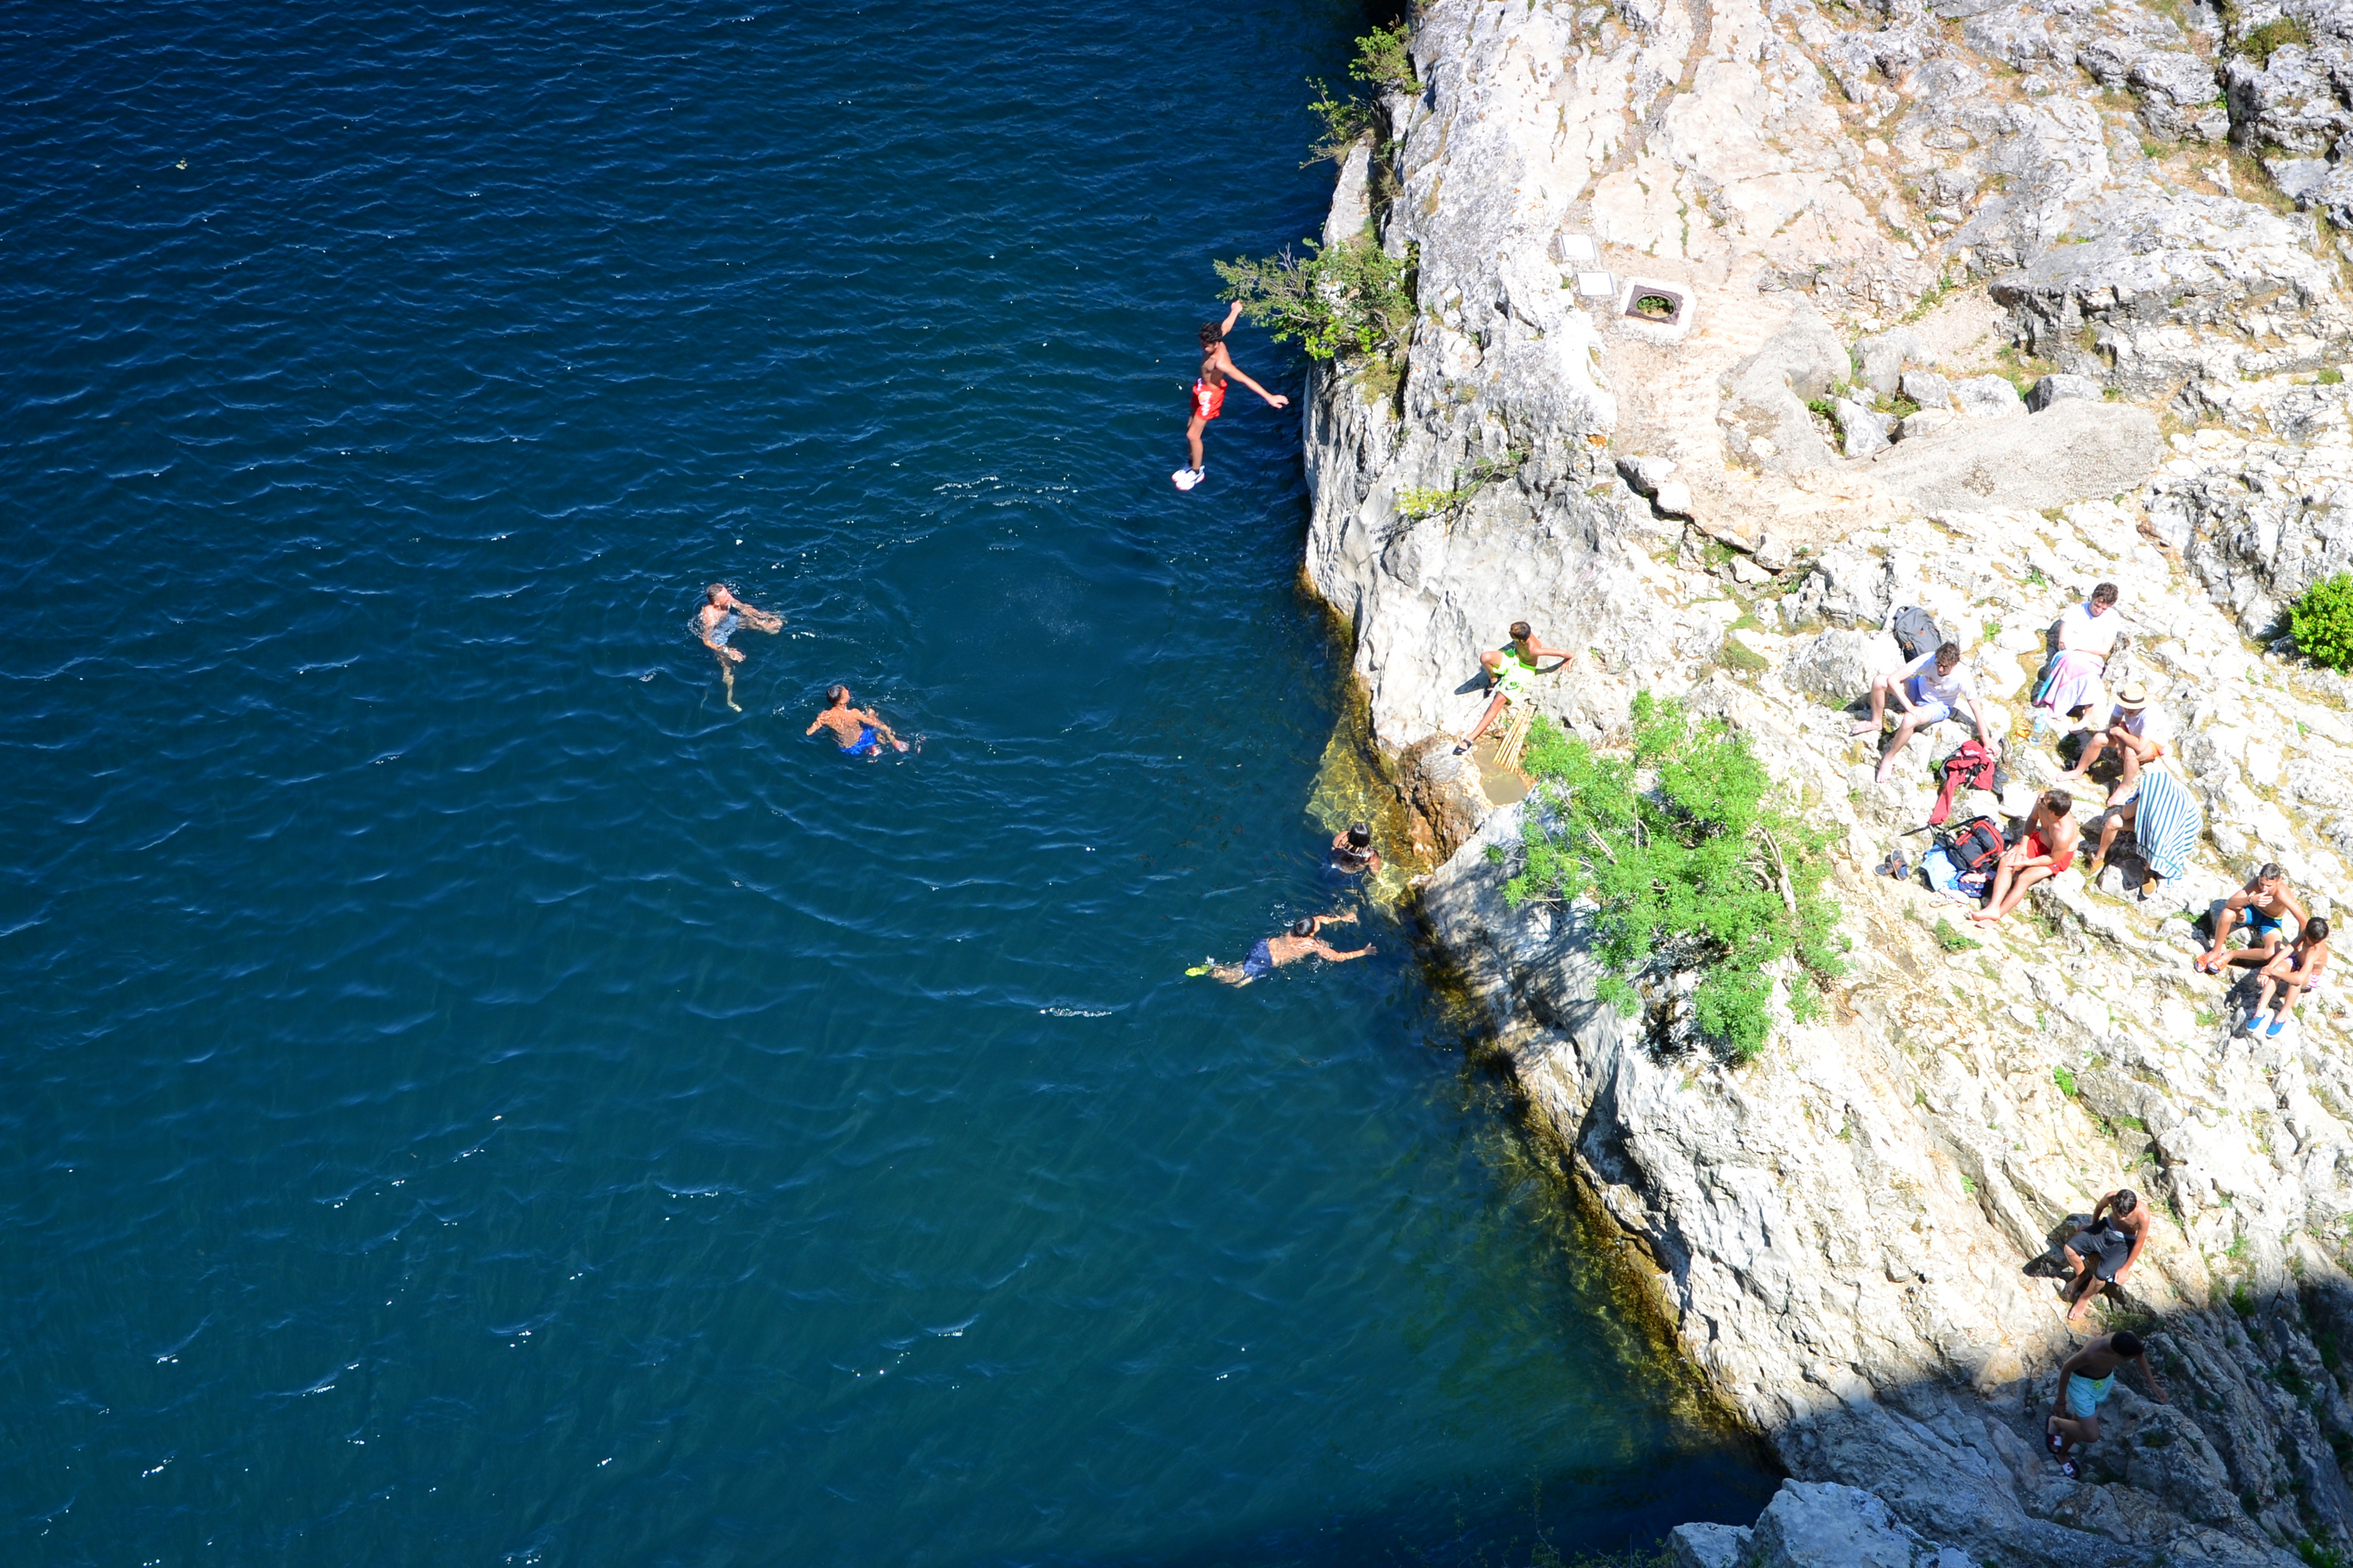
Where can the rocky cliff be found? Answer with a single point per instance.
(1742, 323)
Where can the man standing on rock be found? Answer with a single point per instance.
(2085, 1381)
(2104, 1250)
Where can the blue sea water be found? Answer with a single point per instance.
(468, 1096)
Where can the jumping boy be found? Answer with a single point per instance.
(1209, 392)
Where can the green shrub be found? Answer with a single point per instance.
(1950, 940)
(2322, 622)
(1353, 299)
(1344, 120)
(2330, 377)
(1705, 866)
(2065, 1080)
(2261, 43)
(1382, 61)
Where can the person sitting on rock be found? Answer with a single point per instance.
(2088, 635)
(1929, 689)
(2297, 973)
(2047, 849)
(2136, 730)
(2166, 822)
(2104, 1252)
(2266, 906)
(1509, 679)
(2085, 1381)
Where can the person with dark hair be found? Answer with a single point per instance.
(1507, 677)
(1527, 647)
(2104, 1252)
(1209, 393)
(1353, 853)
(859, 734)
(2266, 905)
(2088, 635)
(2297, 973)
(720, 614)
(1929, 689)
(1271, 952)
(2085, 1381)
(2047, 848)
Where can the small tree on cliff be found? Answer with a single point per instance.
(1688, 857)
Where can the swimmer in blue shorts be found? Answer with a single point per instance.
(2266, 906)
(722, 614)
(857, 732)
(2085, 1381)
(1273, 953)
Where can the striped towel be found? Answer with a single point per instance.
(2166, 824)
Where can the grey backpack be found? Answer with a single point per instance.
(1916, 632)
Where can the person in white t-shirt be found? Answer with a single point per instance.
(1931, 687)
(2136, 729)
(2088, 635)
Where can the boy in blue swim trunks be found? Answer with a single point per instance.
(1273, 953)
(857, 731)
(2265, 905)
(2085, 1381)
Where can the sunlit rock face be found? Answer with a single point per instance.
(1968, 311)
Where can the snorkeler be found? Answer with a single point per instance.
(720, 614)
(857, 732)
(1271, 952)
(1209, 392)
(1353, 853)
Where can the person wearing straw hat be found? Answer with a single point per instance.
(2136, 729)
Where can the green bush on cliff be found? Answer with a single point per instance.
(1382, 61)
(2322, 622)
(1350, 298)
(1703, 868)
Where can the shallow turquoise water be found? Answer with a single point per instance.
(470, 1096)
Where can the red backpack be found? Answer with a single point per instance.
(1969, 767)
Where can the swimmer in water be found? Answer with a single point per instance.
(857, 732)
(1273, 953)
(1353, 853)
(721, 614)
(1209, 393)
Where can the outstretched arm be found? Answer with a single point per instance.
(2149, 1375)
(1226, 362)
(815, 725)
(870, 716)
(1231, 317)
(1337, 956)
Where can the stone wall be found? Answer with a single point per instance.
(1884, 225)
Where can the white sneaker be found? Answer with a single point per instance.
(1186, 479)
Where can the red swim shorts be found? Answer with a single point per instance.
(1208, 401)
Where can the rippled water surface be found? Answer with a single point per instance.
(467, 1096)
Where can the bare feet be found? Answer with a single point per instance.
(1860, 730)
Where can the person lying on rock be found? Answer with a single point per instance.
(1271, 952)
(2085, 1381)
(2047, 849)
(1508, 677)
(2135, 728)
(2088, 635)
(2266, 906)
(2104, 1252)
(1930, 688)
(2297, 973)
